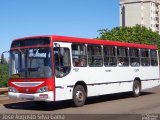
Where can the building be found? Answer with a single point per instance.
(142, 12)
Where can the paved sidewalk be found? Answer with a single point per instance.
(4, 99)
(3, 95)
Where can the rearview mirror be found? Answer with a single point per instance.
(2, 59)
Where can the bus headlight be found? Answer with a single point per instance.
(12, 89)
(42, 89)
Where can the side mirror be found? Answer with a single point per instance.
(2, 59)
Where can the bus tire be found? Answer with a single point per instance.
(136, 88)
(79, 96)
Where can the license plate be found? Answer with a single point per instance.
(27, 97)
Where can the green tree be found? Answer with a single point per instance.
(3, 75)
(136, 34)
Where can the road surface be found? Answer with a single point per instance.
(120, 104)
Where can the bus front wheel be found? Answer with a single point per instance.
(136, 88)
(79, 96)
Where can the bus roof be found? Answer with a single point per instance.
(58, 38)
(101, 42)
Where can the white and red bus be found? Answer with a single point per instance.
(54, 68)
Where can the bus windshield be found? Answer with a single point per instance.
(31, 63)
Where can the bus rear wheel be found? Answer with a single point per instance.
(136, 88)
(79, 96)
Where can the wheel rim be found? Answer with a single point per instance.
(137, 89)
(79, 96)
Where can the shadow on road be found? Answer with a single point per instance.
(112, 97)
(50, 106)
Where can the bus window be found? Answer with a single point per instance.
(61, 61)
(41, 59)
(109, 56)
(123, 59)
(134, 57)
(95, 56)
(145, 57)
(79, 56)
(154, 61)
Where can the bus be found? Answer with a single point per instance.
(55, 68)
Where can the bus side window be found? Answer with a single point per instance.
(145, 57)
(95, 58)
(134, 57)
(153, 55)
(109, 56)
(123, 58)
(79, 56)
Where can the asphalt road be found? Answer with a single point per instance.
(116, 104)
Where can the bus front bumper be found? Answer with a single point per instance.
(45, 96)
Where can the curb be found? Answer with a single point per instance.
(3, 90)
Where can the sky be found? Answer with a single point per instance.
(78, 18)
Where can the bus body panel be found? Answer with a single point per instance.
(104, 80)
(45, 96)
(99, 82)
(27, 89)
